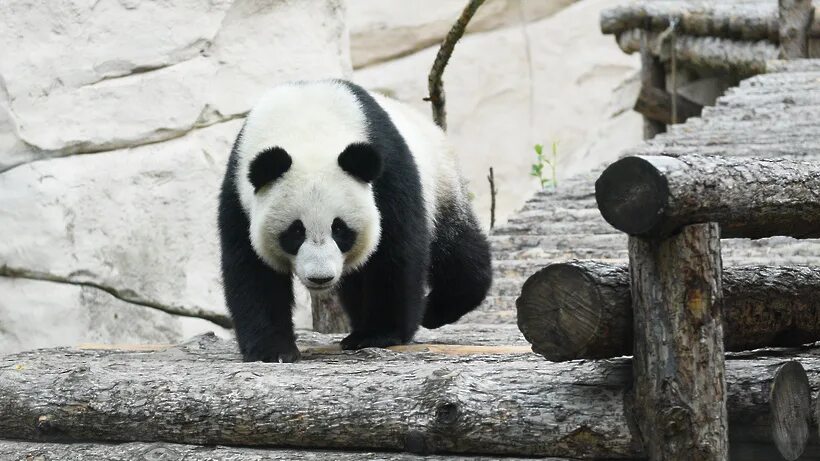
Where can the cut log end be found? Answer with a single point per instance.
(630, 209)
(564, 311)
(543, 318)
(790, 403)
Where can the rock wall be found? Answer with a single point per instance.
(537, 78)
(116, 121)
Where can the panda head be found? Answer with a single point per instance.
(306, 172)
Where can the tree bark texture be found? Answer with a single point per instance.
(328, 314)
(794, 21)
(653, 76)
(656, 104)
(680, 385)
(733, 57)
(654, 196)
(142, 451)
(736, 19)
(583, 309)
(201, 393)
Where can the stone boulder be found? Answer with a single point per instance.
(555, 79)
(129, 109)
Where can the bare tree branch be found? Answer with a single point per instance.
(435, 85)
(493, 192)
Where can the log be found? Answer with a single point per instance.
(653, 75)
(726, 18)
(201, 393)
(328, 314)
(791, 410)
(654, 196)
(714, 54)
(794, 20)
(656, 104)
(32, 451)
(678, 354)
(583, 309)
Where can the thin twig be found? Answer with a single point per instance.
(434, 83)
(493, 193)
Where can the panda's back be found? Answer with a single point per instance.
(432, 154)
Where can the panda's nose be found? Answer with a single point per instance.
(320, 280)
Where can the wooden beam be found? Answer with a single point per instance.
(679, 375)
(656, 104)
(654, 196)
(653, 75)
(583, 309)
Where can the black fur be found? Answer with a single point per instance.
(385, 298)
(258, 297)
(344, 236)
(293, 237)
(361, 161)
(460, 271)
(268, 166)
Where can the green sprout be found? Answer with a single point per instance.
(541, 161)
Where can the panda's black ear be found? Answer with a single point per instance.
(361, 161)
(268, 166)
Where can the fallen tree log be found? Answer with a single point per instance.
(654, 196)
(201, 393)
(583, 309)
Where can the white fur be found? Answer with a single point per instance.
(314, 122)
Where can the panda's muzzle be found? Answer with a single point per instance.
(318, 264)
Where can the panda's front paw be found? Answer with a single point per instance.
(355, 341)
(284, 352)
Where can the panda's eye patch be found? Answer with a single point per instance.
(344, 236)
(292, 238)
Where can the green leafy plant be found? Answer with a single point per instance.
(546, 178)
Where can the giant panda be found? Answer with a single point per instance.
(353, 191)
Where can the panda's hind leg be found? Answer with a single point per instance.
(460, 269)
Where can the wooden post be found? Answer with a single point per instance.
(653, 75)
(678, 364)
(794, 18)
(328, 314)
